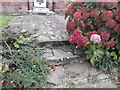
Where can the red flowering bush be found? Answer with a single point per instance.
(96, 26)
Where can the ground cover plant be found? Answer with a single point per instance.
(22, 65)
(95, 26)
(4, 21)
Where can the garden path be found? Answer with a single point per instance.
(50, 33)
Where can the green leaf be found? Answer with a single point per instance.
(100, 51)
(93, 47)
(93, 60)
(114, 55)
(107, 54)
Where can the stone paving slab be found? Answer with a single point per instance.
(55, 55)
(78, 75)
(46, 28)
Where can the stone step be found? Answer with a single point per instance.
(40, 10)
(78, 75)
(59, 54)
(53, 43)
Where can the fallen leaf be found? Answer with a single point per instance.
(6, 68)
(52, 67)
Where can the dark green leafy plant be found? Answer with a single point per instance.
(23, 65)
(26, 69)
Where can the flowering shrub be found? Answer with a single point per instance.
(95, 26)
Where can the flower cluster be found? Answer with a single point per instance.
(70, 26)
(117, 29)
(105, 35)
(110, 23)
(77, 38)
(106, 15)
(111, 43)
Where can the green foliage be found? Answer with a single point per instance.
(22, 66)
(94, 53)
(29, 68)
(108, 61)
(19, 41)
(4, 21)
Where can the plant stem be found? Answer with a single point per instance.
(8, 46)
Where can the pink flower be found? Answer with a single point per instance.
(77, 16)
(94, 13)
(110, 23)
(74, 37)
(118, 17)
(117, 14)
(77, 33)
(77, 38)
(117, 29)
(91, 33)
(96, 21)
(106, 15)
(70, 26)
(104, 35)
(85, 16)
(100, 4)
(83, 10)
(81, 41)
(90, 25)
(69, 12)
(71, 6)
(111, 43)
(111, 5)
(95, 38)
(83, 26)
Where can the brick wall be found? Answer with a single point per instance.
(14, 7)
